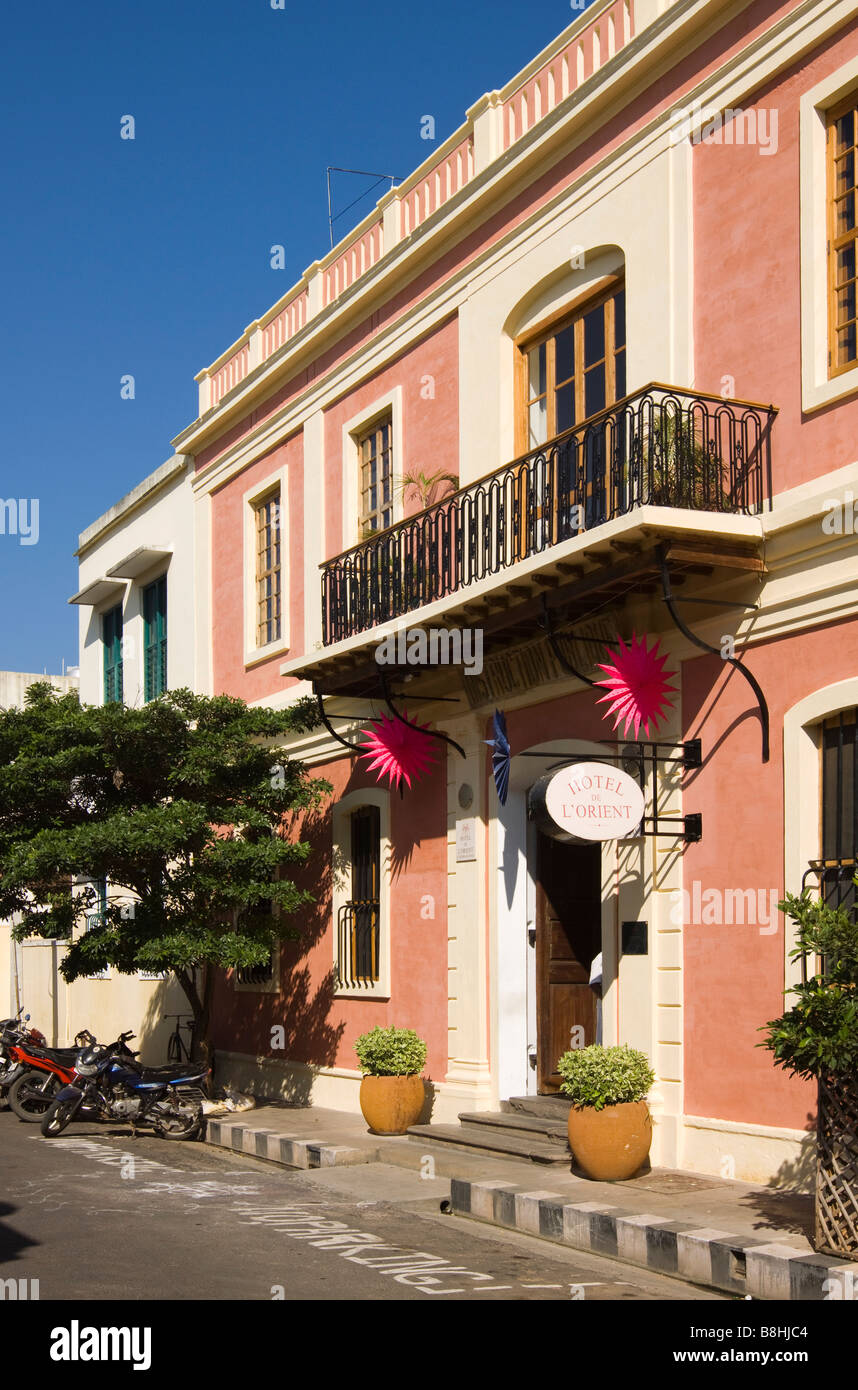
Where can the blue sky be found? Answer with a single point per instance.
(149, 257)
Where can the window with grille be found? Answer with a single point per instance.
(111, 636)
(96, 919)
(574, 371)
(265, 972)
(155, 638)
(358, 926)
(839, 809)
(257, 974)
(375, 449)
(268, 575)
(842, 138)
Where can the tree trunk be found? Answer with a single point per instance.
(836, 1226)
(202, 1049)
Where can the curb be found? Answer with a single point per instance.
(292, 1153)
(699, 1255)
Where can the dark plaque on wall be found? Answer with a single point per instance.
(635, 938)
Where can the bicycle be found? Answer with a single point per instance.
(177, 1049)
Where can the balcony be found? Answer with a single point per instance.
(661, 447)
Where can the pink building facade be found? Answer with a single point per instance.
(590, 371)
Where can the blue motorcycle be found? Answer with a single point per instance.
(109, 1083)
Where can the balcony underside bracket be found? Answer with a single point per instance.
(555, 645)
(671, 601)
(430, 733)
(323, 714)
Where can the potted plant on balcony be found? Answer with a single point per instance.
(684, 472)
(817, 1039)
(610, 1127)
(392, 1092)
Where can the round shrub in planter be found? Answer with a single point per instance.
(392, 1091)
(610, 1127)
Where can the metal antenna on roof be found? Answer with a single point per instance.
(365, 173)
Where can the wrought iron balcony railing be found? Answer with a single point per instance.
(659, 447)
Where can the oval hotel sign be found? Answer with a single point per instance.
(593, 801)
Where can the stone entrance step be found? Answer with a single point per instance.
(545, 1107)
(511, 1122)
(486, 1139)
(532, 1127)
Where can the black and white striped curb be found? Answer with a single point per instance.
(279, 1148)
(699, 1255)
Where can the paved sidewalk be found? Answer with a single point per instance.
(724, 1235)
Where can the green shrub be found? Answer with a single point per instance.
(597, 1076)
(391, 1052)
(818, 1036)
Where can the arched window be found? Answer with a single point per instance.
(361, 852)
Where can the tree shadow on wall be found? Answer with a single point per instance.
(293, 1023)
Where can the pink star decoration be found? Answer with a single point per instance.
(399, 751)
(637, 685)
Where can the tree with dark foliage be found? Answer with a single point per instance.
(182, 806)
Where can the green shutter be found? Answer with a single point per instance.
(112, 639)
(155, 638)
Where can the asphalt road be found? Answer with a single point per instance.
(97, 1214)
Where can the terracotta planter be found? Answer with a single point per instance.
(390, 1104)
(611, 1144)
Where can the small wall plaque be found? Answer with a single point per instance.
(466, 839)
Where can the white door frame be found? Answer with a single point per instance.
(513, 908)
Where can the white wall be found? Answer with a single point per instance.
(162, 519)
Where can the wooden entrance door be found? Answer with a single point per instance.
(568, 937)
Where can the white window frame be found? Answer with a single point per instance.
(99, 974)
(253, 653)
(817, 388)
(389, 404)
(803, 788)
(341, 893)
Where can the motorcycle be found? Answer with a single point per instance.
(12, 1032)
(40, 1073)
(113, 1085)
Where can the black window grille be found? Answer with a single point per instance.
(262, 974)
(359, 919)
(257, 974)
(833, 873)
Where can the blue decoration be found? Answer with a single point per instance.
(500, 756)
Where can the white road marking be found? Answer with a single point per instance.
(419, 1268)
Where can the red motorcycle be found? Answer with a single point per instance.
(41, 1072)
(12, 1032)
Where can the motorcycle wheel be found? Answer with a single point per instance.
(60, 1114)
(32, 1094)
(183, 1123)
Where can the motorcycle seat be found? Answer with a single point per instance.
(173, 1072)
(56, 1054)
